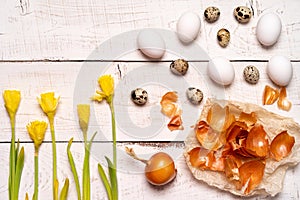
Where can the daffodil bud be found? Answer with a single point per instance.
(83, 111)
(37, 130)
(12, 100)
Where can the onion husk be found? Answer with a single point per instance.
(274, 171)
(270, 95)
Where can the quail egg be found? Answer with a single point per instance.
(212, 14)
(139, 96)
(251, 74)
(179, 67)
(223, 36)
(242, 14)
(194, 95)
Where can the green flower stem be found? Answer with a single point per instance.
(86, 170)
(113, 175)
(113, 126)
(54, 176)
(12, 195)
(36, 173)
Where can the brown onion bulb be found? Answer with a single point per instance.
(160, 168)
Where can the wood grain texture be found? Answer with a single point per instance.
(40, 39)
(76, 85)
(68, 30)
(132, 183)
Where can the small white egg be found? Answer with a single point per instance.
(280, 70)
(221, 71)
(151, 43)
(268, 29)
(188, 27)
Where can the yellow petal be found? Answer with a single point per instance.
(98, 97)
(48, 102)
(83, 111)
(12, 100)
(106, 83)
(37, 130)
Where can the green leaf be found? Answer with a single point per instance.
(19, 169)
(17, 151)
(86, 171)
(105, 181)
(64, 192)
(73, 168)
(113, 179)
(90, 142)
(11, 166)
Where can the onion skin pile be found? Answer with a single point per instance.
(236, 144)
(160, 168)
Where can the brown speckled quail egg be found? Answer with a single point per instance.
(212, 14)
(242, 14)
(139, 96)
(251, 74)
(179, 67)
(223, 36)
(194, 95)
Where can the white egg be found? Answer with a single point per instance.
(151, 43)
(221, 71)
(280, 70)
(268, 29)
(188, 27)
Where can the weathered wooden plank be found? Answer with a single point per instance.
(71, 29)
(76, 82)
(132, 183)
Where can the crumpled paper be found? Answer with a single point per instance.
(274, 174)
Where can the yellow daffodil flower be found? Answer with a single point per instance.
(106, 83)
(48, 102)
(12, 100)
(37, 130)
(83, 111)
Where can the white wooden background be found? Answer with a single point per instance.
(43, 45)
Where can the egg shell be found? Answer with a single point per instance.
(268, 29)
(221, 71)
(194, 95)
(280, 70)
(188, 27)
(151, 43)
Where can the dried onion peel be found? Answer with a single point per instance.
(281, 145)
(270, 95)
(171, 110)
(244, 150)
(283, 103)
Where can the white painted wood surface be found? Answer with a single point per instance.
(70, 30)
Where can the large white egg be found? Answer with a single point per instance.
(268, 29)
(188, 27)
(280, 70)
(221, 71)
(151, 43)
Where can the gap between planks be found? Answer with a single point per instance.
(138, 61)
